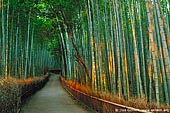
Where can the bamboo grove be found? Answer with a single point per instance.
(23, 50)
(120, 47)
(115, 46)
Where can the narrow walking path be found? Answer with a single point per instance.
(52, 99)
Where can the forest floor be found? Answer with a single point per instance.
(52, 99)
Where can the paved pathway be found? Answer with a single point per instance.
(52, 99)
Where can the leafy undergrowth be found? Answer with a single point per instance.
(141, 103)
(12, 90)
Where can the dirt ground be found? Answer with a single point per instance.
(52, 99)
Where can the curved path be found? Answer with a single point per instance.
(52, 99)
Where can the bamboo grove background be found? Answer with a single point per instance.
(115, 46)
(120, 47)
(24, 52)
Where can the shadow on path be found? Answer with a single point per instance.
(52, 99)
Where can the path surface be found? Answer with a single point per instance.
(52, 99)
